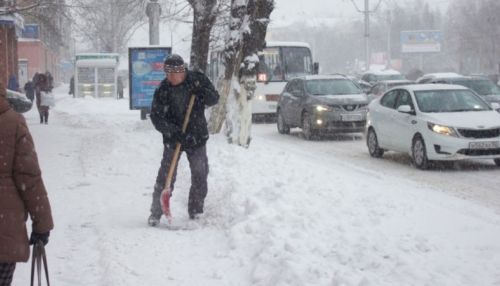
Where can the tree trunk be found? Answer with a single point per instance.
(248, 26)
(205, 13)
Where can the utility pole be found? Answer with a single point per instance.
(389, 32)
(366, 11)
(153, 10)
(367, 34)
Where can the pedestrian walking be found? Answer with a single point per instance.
(44, 99)
(170, 102)
(22, 192)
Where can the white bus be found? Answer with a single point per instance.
(96, 74)
(279, 62)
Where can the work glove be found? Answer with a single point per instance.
(43, 237)
(187, 139)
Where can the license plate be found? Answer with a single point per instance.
(352, 117)
(484, 145)
(272, 106)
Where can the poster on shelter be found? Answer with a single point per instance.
(145, 74)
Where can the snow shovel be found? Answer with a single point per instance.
(167, 189)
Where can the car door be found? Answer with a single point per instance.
(296, 101)
(403, 124)
(382, 118)
(285, 101)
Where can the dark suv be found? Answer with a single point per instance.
(320, 104)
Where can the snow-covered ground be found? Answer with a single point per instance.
(283, 212)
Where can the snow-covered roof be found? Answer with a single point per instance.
(97, 63)
(332, 76)
(397, 81)
(383, 72)
(433, 86)
(442, 74)
(287, 44)
(98, 54)
(27, 40)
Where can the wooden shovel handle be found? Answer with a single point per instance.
(177, 151)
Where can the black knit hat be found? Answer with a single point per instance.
(174, 64)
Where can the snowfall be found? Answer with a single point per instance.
(273, 215)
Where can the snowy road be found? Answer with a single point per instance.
(472, 180)
(284, 212)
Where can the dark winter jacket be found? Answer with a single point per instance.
(171, 102)
(29, 89)
(21, 187)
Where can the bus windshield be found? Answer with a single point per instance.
(284, 63)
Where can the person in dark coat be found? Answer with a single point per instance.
(119, 84)
(13, 83)
(29, 89)
(72, 86)
(169, 106)
(50, 80)
(22, 192)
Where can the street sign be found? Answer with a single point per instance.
(421, 41)
(145, 74)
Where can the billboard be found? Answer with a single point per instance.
(422, 41)
(145, 74)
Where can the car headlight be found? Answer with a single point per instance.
(261, 97)
(443, 130)
(322, 108)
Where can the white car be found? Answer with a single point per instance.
(433, 122)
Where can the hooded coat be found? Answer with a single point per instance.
(22, 191)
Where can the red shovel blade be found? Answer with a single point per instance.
(165, 202)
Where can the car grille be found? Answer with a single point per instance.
(272, 97)
(474, 133)
(479, 152)
(348, 107)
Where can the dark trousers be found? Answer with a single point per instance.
(6, 273)
(44, 115)
(198, 163)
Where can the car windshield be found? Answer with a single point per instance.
(382, 77)
(449, 101)
(480, 86)
(332, 87)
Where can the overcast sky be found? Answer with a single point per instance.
(285, 12)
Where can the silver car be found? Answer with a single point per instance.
(322, 104)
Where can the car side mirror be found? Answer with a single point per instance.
(316, 68)
(406, 109)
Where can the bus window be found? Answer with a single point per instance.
(298, 62)
(270, 65)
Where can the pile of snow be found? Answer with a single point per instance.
(273, 216)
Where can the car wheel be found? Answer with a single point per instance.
(419, 153)
(372, 143)
(497, 162)
(283, 128)
(307, 129)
